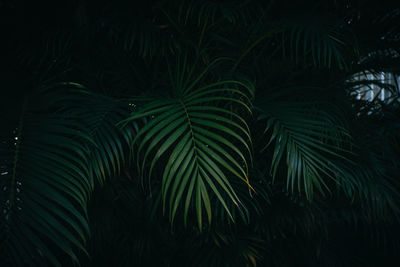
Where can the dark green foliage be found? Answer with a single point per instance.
(199, 133)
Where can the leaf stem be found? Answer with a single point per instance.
(16, 154)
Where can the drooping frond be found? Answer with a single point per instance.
(45, 184)
(101, 115)
(305, 137)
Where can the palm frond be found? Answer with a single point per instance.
(45, 186)
(316, 38)
(201, 137)
(110, 147)
(306, 137)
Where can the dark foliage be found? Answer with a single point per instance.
(198, 133)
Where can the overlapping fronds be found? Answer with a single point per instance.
(173, 135)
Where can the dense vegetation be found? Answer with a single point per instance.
(198, 133)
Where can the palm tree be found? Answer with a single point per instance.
(212, 133)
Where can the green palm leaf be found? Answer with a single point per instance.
(100, 114)
(307, 138)
(201, 138)
(45, 185)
